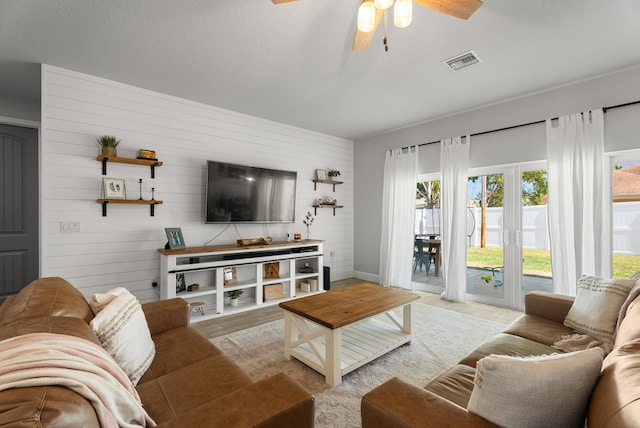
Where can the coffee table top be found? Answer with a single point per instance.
(337, 308)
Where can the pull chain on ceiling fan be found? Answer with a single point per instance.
(371, 12)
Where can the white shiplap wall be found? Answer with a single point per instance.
(120, 249)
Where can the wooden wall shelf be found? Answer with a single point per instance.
(333, 182)
(151, 203)
(145, 162)
(316, 206)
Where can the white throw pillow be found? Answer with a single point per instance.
(123, 332)
(596, 307)
(547, 391)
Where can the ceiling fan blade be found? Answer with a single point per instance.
(459, 8)
(281, 1)
(361, 41)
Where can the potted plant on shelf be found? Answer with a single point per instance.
(308, 221)
(109, 145)
(333, 174)
(233, 297)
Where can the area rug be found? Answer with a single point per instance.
(440, 339)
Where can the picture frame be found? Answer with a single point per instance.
(114, 188)
(174, 238)
(272, 270)
(180, 284)
(229, 275)
(321, 174)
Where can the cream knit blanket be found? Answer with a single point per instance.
(46, 359)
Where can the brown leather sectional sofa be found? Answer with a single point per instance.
(615, 402)
(189, 384)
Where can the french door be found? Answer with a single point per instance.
(507, 233)
(508, 252)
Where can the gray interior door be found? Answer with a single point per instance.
(19, 202)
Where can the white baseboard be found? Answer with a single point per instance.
(367, 276)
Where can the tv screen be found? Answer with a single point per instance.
(245, 194)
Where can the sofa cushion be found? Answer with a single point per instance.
(629, 328)
(597, 305)
(58, 325)
(44, 297)
(177, 348)
(276, 402)
(616, 398)
(191, 386)
(538, 329)
(506, 344)
(454, 385)
(5, 305)
(122, 329)
(46, 406)
(544, 391)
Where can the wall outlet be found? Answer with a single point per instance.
(69, 227)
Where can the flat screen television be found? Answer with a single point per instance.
(245, 194)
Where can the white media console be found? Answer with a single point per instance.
(250, 269)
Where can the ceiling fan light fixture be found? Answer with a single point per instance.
(403, 13)
(382, 4)
(366, 17)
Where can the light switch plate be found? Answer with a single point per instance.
(69, 226)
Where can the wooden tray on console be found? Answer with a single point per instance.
(254, 241)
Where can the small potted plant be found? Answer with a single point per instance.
(109, 145)
(333, 174)
(233, 297)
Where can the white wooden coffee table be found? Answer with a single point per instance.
(341, 330)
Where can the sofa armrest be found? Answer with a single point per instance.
(275, 402)
(551, 306)
(166, 314)
(398, 404)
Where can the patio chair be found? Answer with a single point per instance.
(422, 257)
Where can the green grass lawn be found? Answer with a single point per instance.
(538, 262)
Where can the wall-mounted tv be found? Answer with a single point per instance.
(245, 194)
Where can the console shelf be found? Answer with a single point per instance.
(206, 266)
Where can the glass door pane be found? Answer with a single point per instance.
(536, 255)
(625, 215)
(485, 232)
(426, 271)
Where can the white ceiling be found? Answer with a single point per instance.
(293, 63)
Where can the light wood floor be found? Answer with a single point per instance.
(225, 325)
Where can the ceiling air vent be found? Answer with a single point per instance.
(465, 60)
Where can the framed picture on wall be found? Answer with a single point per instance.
(113, 188)
(321, 174)
(174, 238)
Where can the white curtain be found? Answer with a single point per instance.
(398, 217)
(454, 169)
(575, 152)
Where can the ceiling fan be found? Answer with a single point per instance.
(371, 13)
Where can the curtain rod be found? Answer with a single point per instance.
(604, 109)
